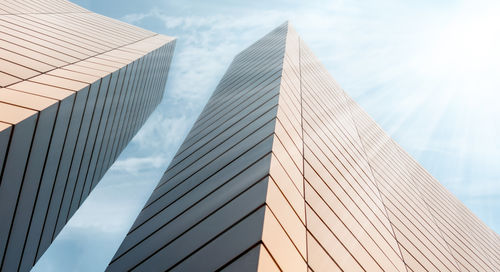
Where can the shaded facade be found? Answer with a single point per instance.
(282, 171)
(75, 87)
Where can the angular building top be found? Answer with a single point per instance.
(283, 171)
(75, 87)
(64, 46)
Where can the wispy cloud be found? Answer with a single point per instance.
(135, 165)
(426, 71)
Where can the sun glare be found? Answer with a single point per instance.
(466, 49)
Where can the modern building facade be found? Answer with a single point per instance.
(75, 87)
(282, 171)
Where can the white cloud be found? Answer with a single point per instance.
(134, 165)
(404, 62)
(424, 72)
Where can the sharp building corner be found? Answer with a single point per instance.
(283, 171)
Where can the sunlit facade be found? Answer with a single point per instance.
(75, 87)
(283, 171)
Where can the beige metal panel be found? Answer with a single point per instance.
(95, 70)
(293, 151)
(77, 28)
(41, 89)
(96, 66)
(101, 61)
(17, 70)
(14, 114)
(69, 74)
(112, 58)
(37, 42)
(319, 260)
(293, 129)
(46, 50)
(374, 243)
(25, 61)
(288, 164)
(331, 243)
(6, 79)
(279, 245)
(288, 219)
(425, 222)
(266, 262)
(61, 32)
(25, 100)
(286, 185)
(55, 39)
(60, 82)
(27, 52)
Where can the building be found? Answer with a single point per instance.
(75, 87)
(282, 171)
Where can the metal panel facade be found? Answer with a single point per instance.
(283, 171)
(75, 87)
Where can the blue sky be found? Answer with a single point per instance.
(427, 71)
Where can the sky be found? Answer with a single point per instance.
(427, 71)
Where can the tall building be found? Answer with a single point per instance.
(75, 87)
(282, 171)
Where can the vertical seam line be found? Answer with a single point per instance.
(303, 154)
(349, 109)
